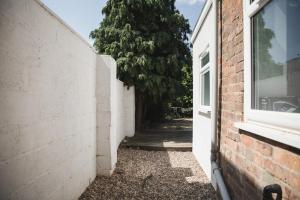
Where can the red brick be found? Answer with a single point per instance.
(249, 154)
(232, 144)
(255, 161)
(259, 159)
(253, 171)
(241, 149)
(239, 161)
(287, 159)
(294, 181)
(246, 140)
(233, 135)
(286, 192)
(289, 194)
(276, 170)
(263, 148)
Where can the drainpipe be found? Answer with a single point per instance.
(216, 170)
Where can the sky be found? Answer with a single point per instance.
(85, 15)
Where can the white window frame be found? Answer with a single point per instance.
(202, 71)
(278, 126)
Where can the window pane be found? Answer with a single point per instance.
(205, 60)
(276, 57)
(206, 89)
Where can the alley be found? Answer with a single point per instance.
(141, 174)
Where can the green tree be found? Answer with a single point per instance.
(185, 96)
(149, 41)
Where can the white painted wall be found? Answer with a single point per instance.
(124, 109)
(123, 118)
(48, 116)
(115, 114)
(202, 123)
(47, 103)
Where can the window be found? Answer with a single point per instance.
(276, 57)
(205, 80)
(272, 67)
(205, 60)
(205, 89)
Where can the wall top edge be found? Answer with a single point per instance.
(204, 12)
(52, 13)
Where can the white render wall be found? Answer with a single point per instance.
(124, 105)
(48, 116)
(115, 114)
(202, 123)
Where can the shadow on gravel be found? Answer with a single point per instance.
(152, 175)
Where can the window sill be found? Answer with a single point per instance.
(283, 136)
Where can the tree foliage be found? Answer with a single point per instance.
(149, 41)
(184, 97)
(264, 62)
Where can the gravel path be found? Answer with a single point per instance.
(152, 175)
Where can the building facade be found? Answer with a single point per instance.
(246, 74)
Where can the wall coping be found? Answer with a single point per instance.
(59, 19)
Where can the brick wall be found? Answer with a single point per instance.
(249, 162)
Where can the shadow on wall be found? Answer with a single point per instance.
(249, 175)
(153, 175)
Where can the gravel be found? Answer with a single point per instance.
(143, 174)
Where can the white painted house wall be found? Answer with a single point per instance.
(202, 123)
(50, 88)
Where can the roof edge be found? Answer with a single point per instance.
(201, 19)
